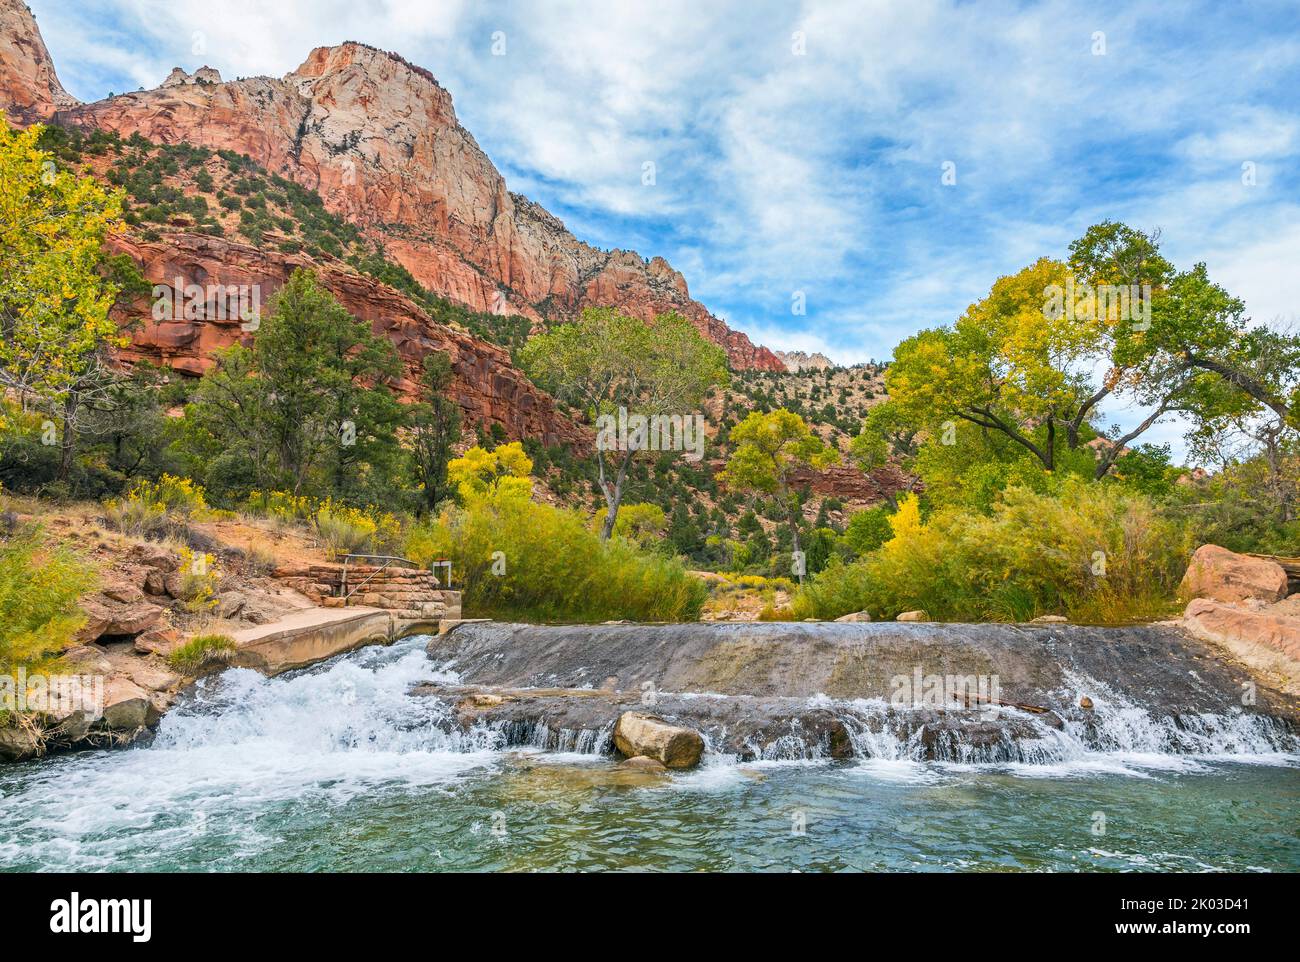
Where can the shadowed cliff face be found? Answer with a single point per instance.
(831, 690)
(378, 138)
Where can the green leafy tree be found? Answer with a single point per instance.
(55, 300)
(1007, 366)
(607, 361)
(867, 530)
(307, 408)
(887, 434)
(435, 427)
(1197, 330)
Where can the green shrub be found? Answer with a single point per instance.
(867, 530)
(39, 588)
(146, 509)
(1097, 554)
(140, 519)
(519, 560)
(200, 652)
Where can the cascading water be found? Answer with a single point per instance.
(346, 765)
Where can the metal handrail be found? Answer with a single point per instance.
(387, 559)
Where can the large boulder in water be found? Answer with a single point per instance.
(1223, 575)
(638, 734)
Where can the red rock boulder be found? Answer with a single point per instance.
(1224, 575)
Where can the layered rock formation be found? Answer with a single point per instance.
(803, 361)
(488, 387)
(1240, 603)
(378, 138)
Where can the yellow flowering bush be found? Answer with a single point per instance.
(144, 510)
(348, 530)
(280, 505)
(199, 580)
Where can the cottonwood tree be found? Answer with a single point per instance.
(769, 449)
(1006, 366)
(55, 328)
(1198, 353)
(1013, 367)
(606, 361)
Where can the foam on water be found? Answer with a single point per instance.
(243, 742)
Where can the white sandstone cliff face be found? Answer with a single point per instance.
(803, 361)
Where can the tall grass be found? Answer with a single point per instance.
(149, 507)
(200, 652)
(1094, 553)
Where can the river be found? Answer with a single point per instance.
(340, 767)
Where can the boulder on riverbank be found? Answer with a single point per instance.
(1222, 575)
(1266, 638)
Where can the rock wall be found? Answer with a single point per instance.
(488, 387)
(411, 593)
(29, 88)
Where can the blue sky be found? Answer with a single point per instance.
(799, 147)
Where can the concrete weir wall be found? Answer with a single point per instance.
(315, 634)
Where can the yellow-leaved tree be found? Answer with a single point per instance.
(770, 448)
(54, 300)
(504, 470)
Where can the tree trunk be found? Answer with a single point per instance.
(67, 443)
(613, 493)
(1109, 457)
(792, 506)
(1255, 388)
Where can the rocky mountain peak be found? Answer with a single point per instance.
(377, 137)
(803, 361)
(204, 75)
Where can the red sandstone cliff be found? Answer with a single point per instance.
(29, 88)
(487, 386)
(378, 138)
